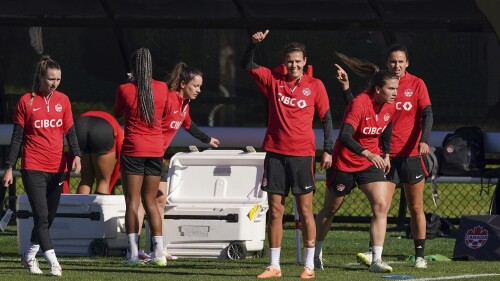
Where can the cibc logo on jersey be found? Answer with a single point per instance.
(373, 130)
(175, 125)
(48, 123)
(291, 101)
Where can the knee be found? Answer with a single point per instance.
(381, 208)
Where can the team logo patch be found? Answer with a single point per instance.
(58, 107)
(450, 148)
(476, 237)
(340, 187)
(387, 116)
(264, 182)
(306, 92)
(408, 93)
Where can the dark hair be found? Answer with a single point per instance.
(395, 48)
(368, 69)
(40, 71)
(181, 73)
(294, 47)
(142, 68)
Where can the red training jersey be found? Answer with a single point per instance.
(178, 116)
(45, 123)
(368, 126)
(141, 140)
(291, 111)
(412, 98)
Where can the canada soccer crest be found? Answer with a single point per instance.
(450, 148)
(476, 237)
(58, 107)
(408, 93)
(306, 92)
(264, 182)
(340, 187)
(387, 116)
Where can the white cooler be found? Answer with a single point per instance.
(84, 225)
(215, 207)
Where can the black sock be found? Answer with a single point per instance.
(419, 247)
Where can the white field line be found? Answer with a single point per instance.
(453, 277)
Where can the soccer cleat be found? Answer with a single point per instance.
(420, 263)
(318, 264)
(169, 256)
(142, 255)
(270, 272)
(308, 273)
(158, 261)
(135, 263)
(31, 264)
(380, 266)
(55, 270)
(364, 258)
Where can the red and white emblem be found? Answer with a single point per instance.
(476, 237)
(450, 148)
(408, 93)
(306, 92)
(387, 116)
(58, 107)
(340, 187)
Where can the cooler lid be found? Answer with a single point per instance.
(216, 177)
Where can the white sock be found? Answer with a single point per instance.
(377, 253)
(31, 252)
(50, 255)
(318, 250)
(274, 257)
(157, 246)
(133, 247)
(309, 257)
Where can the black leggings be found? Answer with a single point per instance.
(44, 191)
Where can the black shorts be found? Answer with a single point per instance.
(283, 172)
(164, 172)
(142, 166)
(342, 183)
(408, 170)
(95, 135)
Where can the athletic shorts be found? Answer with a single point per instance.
(164, 172)
(408, 170)
(95, 135)
(342, 183)
(142, 166)
(282, 173)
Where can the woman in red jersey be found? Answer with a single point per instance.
(289, 143)
(357, 158)
(410, 142)
(184, 83)
(143, 103)
(100, 138)
(43, 118)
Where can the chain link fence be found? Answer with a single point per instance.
(454, 200)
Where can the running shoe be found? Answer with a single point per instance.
(318, 264)
(270, 272)
(308, 273)
(420, 263)
(55, 270)
(31, 264)
(364, 258)
(162, 261)
(380, 266)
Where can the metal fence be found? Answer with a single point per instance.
(454, 200)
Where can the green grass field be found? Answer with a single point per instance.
(340, 248)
